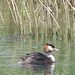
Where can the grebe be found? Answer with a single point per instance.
(38, 58)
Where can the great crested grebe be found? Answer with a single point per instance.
(38, 58)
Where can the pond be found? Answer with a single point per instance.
(11, 49)
(13, 46)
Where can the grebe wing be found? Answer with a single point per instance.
(36, 55)
(37, 58)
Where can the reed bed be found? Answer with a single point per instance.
(37, 17)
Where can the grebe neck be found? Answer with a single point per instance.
(50, 56)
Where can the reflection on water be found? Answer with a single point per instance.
(47, 70)
(13, 49)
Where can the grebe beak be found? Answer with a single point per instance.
(56, 49)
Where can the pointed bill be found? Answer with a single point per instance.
(56, 49)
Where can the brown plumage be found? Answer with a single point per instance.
(38, 58)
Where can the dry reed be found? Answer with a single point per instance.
(41, 14)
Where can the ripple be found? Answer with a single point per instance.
(36, 46)
(7, 56)
(72, 43)
(4, 54)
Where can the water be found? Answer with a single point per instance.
(12, 47)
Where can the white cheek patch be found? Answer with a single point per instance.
(50, 48)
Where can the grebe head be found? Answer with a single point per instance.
(49, 47)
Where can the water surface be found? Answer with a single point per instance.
(12, 49)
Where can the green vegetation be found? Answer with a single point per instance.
(53, 17)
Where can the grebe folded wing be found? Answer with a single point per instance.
(36, 58)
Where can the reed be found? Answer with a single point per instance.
(41, 14)
(11, 11)
(2, 17)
